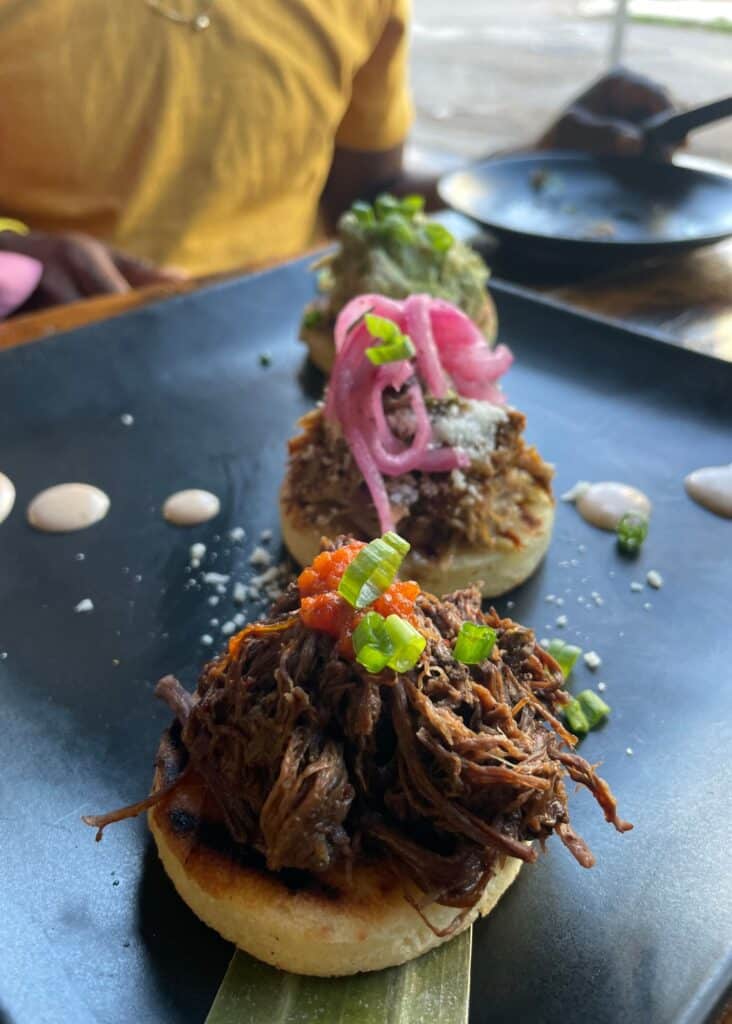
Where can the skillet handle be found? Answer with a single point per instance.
(665, 129)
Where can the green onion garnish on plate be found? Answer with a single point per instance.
(474, 643)
(595, 709)
(393, 344)
(564, 654)
(632, 530)
(585, 712)
(373, 570)
(575, 718)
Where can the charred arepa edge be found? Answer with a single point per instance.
(329, 819)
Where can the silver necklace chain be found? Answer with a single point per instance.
(198, 22)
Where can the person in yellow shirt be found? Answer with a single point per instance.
(206, 135)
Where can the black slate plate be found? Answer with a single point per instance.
(94, 932)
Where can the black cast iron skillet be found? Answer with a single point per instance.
(573, 208)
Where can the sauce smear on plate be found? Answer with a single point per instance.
(604, 504)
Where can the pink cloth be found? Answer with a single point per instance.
(19, 277)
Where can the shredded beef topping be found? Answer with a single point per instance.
(443, 770)
(492, 502)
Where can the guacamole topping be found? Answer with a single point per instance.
(391, 248)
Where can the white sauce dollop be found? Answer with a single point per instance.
(712, 488)
(7, 497)
(67, 507)
(604, 504)
(191, 507)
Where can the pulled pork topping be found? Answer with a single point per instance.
(491, 502)
(444, 770)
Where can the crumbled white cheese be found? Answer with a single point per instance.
(236, 534)
(206, 639)
(550, 598)
(592, 659)
(458, 481)
(138, 578)
(647, 606)
(510, 604)
(580, 600)
(636, 587)
(576, 491)
(562, 620)
(80, 557)
(239, 593)
(265, 536)
(559, 601)
(260, 556)
(268, 576)
(472, 426)
(240, 618)
(215, 578)
(629, 751)
(602, 687)
(220, 588)
(3, 655)
(228, 628)
(127, 419)
(196, 553)
(581, 548)
(213, 622)
(654, 578)
(599, 601)
(85, 605)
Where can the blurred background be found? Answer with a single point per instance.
(488, 74)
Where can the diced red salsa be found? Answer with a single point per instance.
(322, 607)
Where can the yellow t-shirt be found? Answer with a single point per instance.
(204, 150)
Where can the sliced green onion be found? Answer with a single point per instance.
(594, 707)
(372, 643)
(410, 205)
(394, 345)
(363, 212)
(575, 718)
(313, 318)
(474, 643)
(382, 327)
(632, 530)
(373, 570)
(380, 354)
(392, 642)
(564, 654)
(407, 642)
(440, 238)
(396, 228)
(385, 204)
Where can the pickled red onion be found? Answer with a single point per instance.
(450, 350)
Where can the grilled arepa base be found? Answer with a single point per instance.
(293, 920)
(498, 569)
(321, 347)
